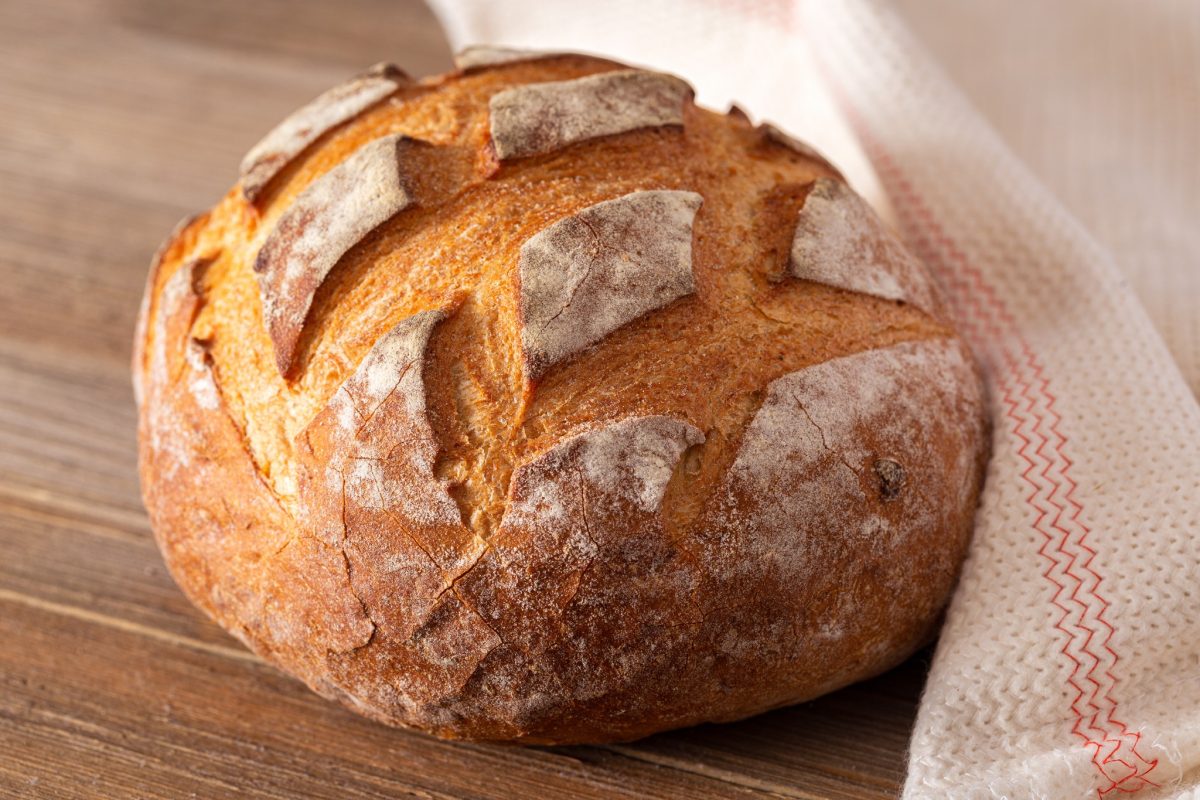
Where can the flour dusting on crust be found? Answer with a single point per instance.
(174, 312)
(331, 216)
(366, 464)
(839, 241)
(632, 459)
(334, 107)
(202, 386)
(579, 571)
(176, 298)
(636, 457)
(589, 274)
(543, 117)
(392, 472)
(808, 461)
(143, 317)
(482, 55)
(806, 517)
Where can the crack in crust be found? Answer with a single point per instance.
(196, 447)
(369, 456)
(895, 404)
(375, 430)
(834, 451)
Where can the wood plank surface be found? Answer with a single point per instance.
(117, 117)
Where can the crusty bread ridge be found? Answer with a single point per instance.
(534, 403)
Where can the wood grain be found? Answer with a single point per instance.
(117, 117)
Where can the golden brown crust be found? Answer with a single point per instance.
(333, 214)
(756, 484)
(776, 136)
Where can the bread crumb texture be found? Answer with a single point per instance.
(534, 403)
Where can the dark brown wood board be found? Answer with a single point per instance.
(118, 117)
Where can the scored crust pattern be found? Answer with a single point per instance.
(332, 215)
(841, 242)
(478, 56)
(334, 107)
(543, 117)
(305, 603)
(630, 461)
(381, 427)
(367, 463)
(762, 555)
(589, 274)
(866, 430)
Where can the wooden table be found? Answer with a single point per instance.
(117, 117)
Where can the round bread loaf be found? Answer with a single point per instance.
(532, 402)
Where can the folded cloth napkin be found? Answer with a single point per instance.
(1069, 664)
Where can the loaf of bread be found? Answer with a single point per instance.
(533, 402)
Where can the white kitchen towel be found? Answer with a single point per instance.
(1101, 100)
(1069, 665)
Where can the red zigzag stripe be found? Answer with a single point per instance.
(1034, 424)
